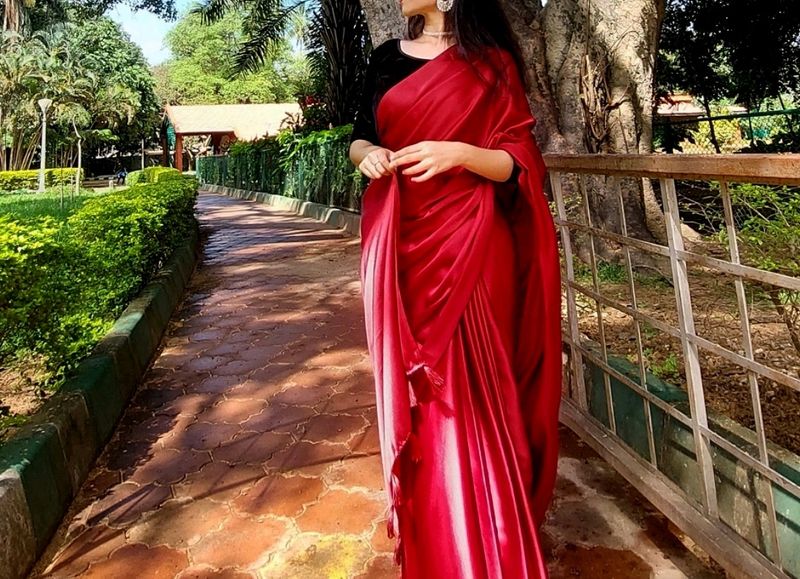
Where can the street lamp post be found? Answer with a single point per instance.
(44, 104)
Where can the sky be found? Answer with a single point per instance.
(147, 30)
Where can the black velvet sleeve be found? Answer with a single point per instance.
(364, 124)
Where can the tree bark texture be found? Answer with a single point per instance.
(590, 73)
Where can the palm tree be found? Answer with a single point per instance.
(336, 34)
(339, 42)
(265, 26)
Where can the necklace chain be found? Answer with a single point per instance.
(437, 34)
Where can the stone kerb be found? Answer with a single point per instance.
(349, 221)
(43, 466)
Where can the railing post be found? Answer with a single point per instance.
(691, 356)
(572, 312)
(747, 346)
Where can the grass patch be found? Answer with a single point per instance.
(29, 206)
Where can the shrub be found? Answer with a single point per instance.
(313, 167)
(19, 180)
(152, 175)
(63, 284)
(768, 225)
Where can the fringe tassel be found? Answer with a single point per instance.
(425, 382)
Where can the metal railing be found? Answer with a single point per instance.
(729, 487)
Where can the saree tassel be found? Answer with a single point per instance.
(426, 382)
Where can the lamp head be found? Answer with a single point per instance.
(44, 104)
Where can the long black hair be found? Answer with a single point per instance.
(476, 24)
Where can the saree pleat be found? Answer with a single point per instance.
(462, 311)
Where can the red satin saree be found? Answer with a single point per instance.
(460, 281)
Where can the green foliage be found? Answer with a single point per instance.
(768, 222)
(668, 368)
(152, 175)
(768, 225)
(313, 167)
(63, 284)
(265, 26)
(56, 203)
(728, 133)
(339, 40)
(19, 180)
(202, 70)
(99, 83)
(125, 100)
(742, 49)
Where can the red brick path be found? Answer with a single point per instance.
(251, 448)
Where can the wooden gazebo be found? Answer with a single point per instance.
(227, 123)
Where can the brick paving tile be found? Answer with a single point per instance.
(341, 512)
(379, 568)
(210, 573)
(94, 544)
(219, 481)
(137, 560)
(241, 542)
(251, 447)
(179, 523)
(279, 495)
(127, 502)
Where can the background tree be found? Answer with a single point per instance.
(203, 66)
(743, 50)
(98, 81)
(339, 43)
(337, 37)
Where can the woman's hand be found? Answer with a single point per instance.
(429, 157)
(375, 164)
(434, 157)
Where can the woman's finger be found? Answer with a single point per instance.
(418, 168)
(367, 170)
(407, 159)
(406, 150)
(424, 177)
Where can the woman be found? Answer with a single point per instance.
(460, 280)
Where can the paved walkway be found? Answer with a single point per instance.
(251, 449)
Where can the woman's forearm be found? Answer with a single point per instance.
(494, 164)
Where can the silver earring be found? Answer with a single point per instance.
(444, 5)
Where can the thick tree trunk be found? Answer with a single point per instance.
(14, 16)
(591, 75)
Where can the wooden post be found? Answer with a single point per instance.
(179, 152)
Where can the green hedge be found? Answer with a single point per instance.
(313, 167)
(63, 284)
(18, 180)
(152, 175)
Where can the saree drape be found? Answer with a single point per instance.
(460, 281)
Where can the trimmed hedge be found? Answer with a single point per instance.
(152, 175)
(312, 167)
(63, 284)
(18, 180)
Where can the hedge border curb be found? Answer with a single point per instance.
(349, 221)
(44, 464)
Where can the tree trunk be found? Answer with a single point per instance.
(14, 16)
(590, 71)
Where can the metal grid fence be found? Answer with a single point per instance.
(764, 131)
(729, 487)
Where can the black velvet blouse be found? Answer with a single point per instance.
(387, 66)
